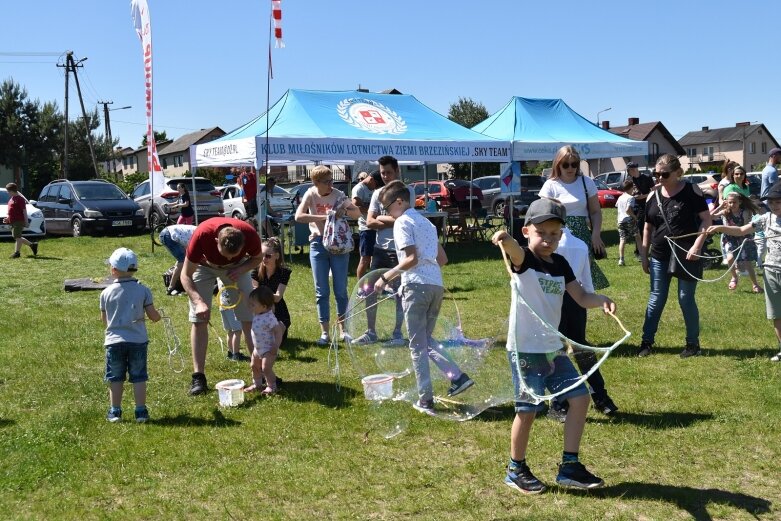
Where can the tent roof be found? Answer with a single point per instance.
(306, 125)
(539, 127)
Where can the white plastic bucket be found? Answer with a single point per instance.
(377, 387)
(231, 392)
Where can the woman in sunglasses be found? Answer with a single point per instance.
(578, 194)
(673, 209)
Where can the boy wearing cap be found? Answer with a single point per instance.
(770, 224)
(122, 307)
(542, 277)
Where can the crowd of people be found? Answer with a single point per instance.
(555, 271)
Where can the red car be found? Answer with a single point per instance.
(450, 193)
(607, 196)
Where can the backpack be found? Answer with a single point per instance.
(337, 235)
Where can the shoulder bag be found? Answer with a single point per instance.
(597, 255)
(337, 235)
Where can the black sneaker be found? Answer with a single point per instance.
(15, 255)
(645, 348)
(522, 480)
(199, 384)
(34, 247)
(231, 356)
(424, 406)
(460, 385)
(575, 475)
(604, 405)
(558, 411)
(691, 350)
(241, 357)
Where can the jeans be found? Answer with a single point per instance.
(323, 262)
(126, 358)
(422, 303)
(176, 249)
(660, 286)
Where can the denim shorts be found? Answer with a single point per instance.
(126, 358)
(543, 374)
(176, 249)
(367, 240)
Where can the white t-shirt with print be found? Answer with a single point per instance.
(412, 229)
(624, 202)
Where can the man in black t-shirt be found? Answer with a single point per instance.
(643, 186)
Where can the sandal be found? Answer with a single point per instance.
(757, 289)
(733, 283)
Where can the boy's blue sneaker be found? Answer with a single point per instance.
(461, 384)
(522, 479)
(142, 415)
(575, 475)
(397, 340)
(424, 406)
(114, 415)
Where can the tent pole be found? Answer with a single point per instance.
(471, 177)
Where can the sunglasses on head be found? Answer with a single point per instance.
(566, 165)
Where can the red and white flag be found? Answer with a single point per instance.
(276, 15)
(139, 10)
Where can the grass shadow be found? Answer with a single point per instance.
(630, 351)
(5, 422)
(185, 420)
(655, 420)
(693, 500)
(293, 346)
(45, 258)
(319, 392)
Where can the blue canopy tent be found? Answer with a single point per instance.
(537, 129)
(307, 126)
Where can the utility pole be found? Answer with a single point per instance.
(107, 122)
(71, 65)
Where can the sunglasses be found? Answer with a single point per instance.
(385, 208)
(566, 165)
(663, 175)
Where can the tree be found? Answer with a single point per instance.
(468, 113)
(159, 136)
(18, 116)
(79, 158)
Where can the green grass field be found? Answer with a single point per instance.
(695, 438)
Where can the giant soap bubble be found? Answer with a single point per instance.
(378, 344)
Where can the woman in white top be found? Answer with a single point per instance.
(578, 194)
(313, 210)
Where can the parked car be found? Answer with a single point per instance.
(297, 191)
(281, 201)
(36, 226)
(754, 183)
(494, 200)
(616, 178)
(607, 196)
(708, 183)
(88, 207)
(206, 199)
(448, 194)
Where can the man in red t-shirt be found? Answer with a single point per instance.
(248, 182)
(17, 218)
(222, 248)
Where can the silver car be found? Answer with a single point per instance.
(206, 199)
(281, 201)
(494, 200)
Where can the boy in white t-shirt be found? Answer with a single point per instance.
(420, 257)
(542, 277)
(627, 224)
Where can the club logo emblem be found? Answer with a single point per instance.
(370, 116)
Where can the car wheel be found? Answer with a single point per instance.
(76, 227)
(154, 219)
(499, 208)
(238, 215)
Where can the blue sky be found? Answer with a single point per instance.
(686, 63)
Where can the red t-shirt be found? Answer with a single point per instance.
(249, 183)
(203, 245)
(16, 206)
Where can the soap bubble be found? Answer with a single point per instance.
(378, 344)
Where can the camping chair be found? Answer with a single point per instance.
(461, 229)
(489, 224)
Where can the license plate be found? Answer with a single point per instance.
(471, 197)
(122, 223)
(203, 208)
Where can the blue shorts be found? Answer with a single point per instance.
(126, 358)
(176, 249)
(366, 241)
(542, 374)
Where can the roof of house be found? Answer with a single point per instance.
(160, 146)
(641, 131)
(184, 142)
(718, 135)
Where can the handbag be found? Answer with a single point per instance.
(337, 234)
(681, 268)
(597, 255)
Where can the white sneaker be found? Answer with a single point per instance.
(621, 262)
(776, 357)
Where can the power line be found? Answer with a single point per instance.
(29, 53)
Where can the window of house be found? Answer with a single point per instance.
(707, 151)
(764, 147)
(752, 148)
(165, 162)
(691, 152)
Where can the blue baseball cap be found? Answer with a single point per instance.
(123, 259)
